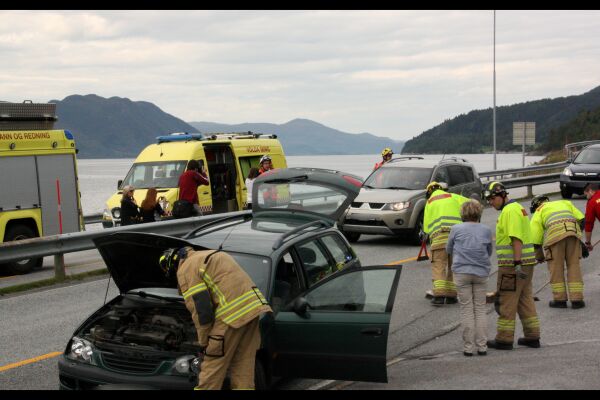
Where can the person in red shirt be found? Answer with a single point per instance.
(386, 155)
(189, 182)
(592, 211)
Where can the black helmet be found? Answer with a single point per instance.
(494, 189)
(537, 201)
(169, 261)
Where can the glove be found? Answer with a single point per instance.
(585, 253)
(423, 236)
(519, 270)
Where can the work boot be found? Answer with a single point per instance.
(451, 300)
(558, 304)
(481, 353)
(577, 304)
(534, 343)
(492, 344)
(438, 301)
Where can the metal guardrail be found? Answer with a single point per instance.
(513, 171)
(92, 218)
(58, 245)
(512, 178)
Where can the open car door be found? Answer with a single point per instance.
(339, 328)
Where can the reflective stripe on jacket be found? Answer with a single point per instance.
(513, 222)
(442, 210)
(554, 221)
(219, 289)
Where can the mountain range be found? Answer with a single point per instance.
(117, 127)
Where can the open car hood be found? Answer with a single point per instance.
(317, 193)
(132, 258)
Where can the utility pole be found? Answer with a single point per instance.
(494, 113)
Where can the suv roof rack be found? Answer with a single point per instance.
(403, 158)
(453, 158)
(287, 234)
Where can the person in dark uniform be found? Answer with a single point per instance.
(130, 212)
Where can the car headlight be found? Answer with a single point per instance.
(81, 350)
(186, 364)
(396, 206)
(567, 171)
(116, 213)
(106, 214)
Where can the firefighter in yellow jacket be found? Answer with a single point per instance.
(442, 210)
(226, 307)
(556, 224)
(516, 258)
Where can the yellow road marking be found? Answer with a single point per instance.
(403, 261)
(31, 360)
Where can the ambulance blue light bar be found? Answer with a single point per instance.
(179, 137)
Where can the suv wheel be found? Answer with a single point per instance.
(351, 236)
(414, 236)
(566, 193)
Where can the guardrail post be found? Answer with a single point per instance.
(59, 267)
(530, 191)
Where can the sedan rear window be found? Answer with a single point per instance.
(409, 178)
(588, 156)
(259, 269)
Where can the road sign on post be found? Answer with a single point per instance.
(524, 134)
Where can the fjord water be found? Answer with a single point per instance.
(98, 177)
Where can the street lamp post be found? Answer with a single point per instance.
(494, 112)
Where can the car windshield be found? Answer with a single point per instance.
(408, 178)
(588, 156)
(163, 174)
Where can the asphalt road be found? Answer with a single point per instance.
(40, 323)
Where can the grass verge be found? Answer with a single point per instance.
(52, 281)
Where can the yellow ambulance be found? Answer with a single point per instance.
(40, 192)
(227, 158)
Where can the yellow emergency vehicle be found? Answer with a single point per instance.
(227, 158)
(38, 176)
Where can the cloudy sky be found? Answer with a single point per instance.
(390, 73)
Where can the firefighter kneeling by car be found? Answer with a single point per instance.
(226, 307)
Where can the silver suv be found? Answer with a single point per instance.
(392, 199)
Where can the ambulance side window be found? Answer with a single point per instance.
(139, 176)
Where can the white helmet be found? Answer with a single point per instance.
(264, 158)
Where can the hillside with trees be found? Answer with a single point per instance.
(472, 132)
(585, 126)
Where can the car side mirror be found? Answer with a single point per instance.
(300, 306)
(119, 182)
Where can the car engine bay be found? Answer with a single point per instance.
(168, 328)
